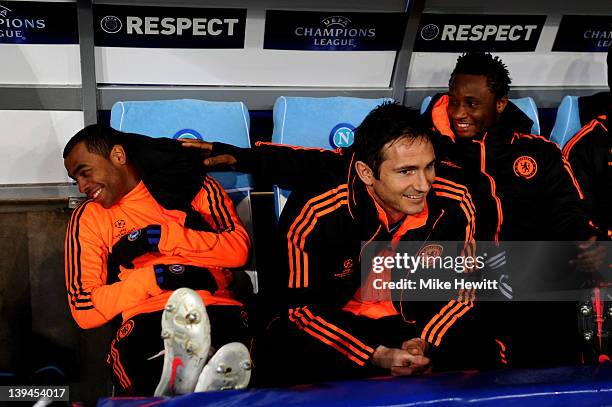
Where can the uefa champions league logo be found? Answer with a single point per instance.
(4, 11)
(336, 21)
(177, 269)
(335, 31)
(342, 135)
(111, 24)
(430, 32)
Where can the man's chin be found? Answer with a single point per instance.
(468, 133)
(465, 135)
(414, 209)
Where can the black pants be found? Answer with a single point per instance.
(286, 355)
(537, 334)
(134, 356)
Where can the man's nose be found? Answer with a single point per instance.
(423, 183)
(457, 112)
(81, 184)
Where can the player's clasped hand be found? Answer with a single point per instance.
(135, 244)
(402, 362)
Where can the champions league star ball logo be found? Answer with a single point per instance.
(430, 32)
(111, 24)
(342, 135)
(4, 11)
(177, 269)
(336, 21)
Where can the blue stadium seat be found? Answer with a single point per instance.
(425, 103)
(567, 122)
(326, 123)
(227, 122)
(526, 104)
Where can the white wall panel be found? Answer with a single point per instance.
(32, 144)
(243, 67)
(40, 64)
(526, 69)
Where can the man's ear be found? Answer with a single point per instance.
(364, 172)
(117, 155)
(501, 104)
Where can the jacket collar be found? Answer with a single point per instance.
(605, 121)
(137, 193)
(511, 121)
(439, 116)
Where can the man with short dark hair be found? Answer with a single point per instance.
(387, 187)
(536, 191)
(143, 232)
(537, 197)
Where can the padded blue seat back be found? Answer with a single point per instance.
(567, 122)
(227, 122)
(527, 105)
(326, 123)
(425, 103)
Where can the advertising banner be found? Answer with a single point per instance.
(27, 22)
(469, 32)
(584, 34)
(334, 31)
(168, 27)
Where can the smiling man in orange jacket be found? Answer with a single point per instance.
(125, 252)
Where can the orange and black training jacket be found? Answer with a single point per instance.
(93, 231)
(172, 177)
(536, 193)
(590, 154)
(325, 232)
(327, 217)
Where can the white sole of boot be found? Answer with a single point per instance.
(228, 369)
(186, 335)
